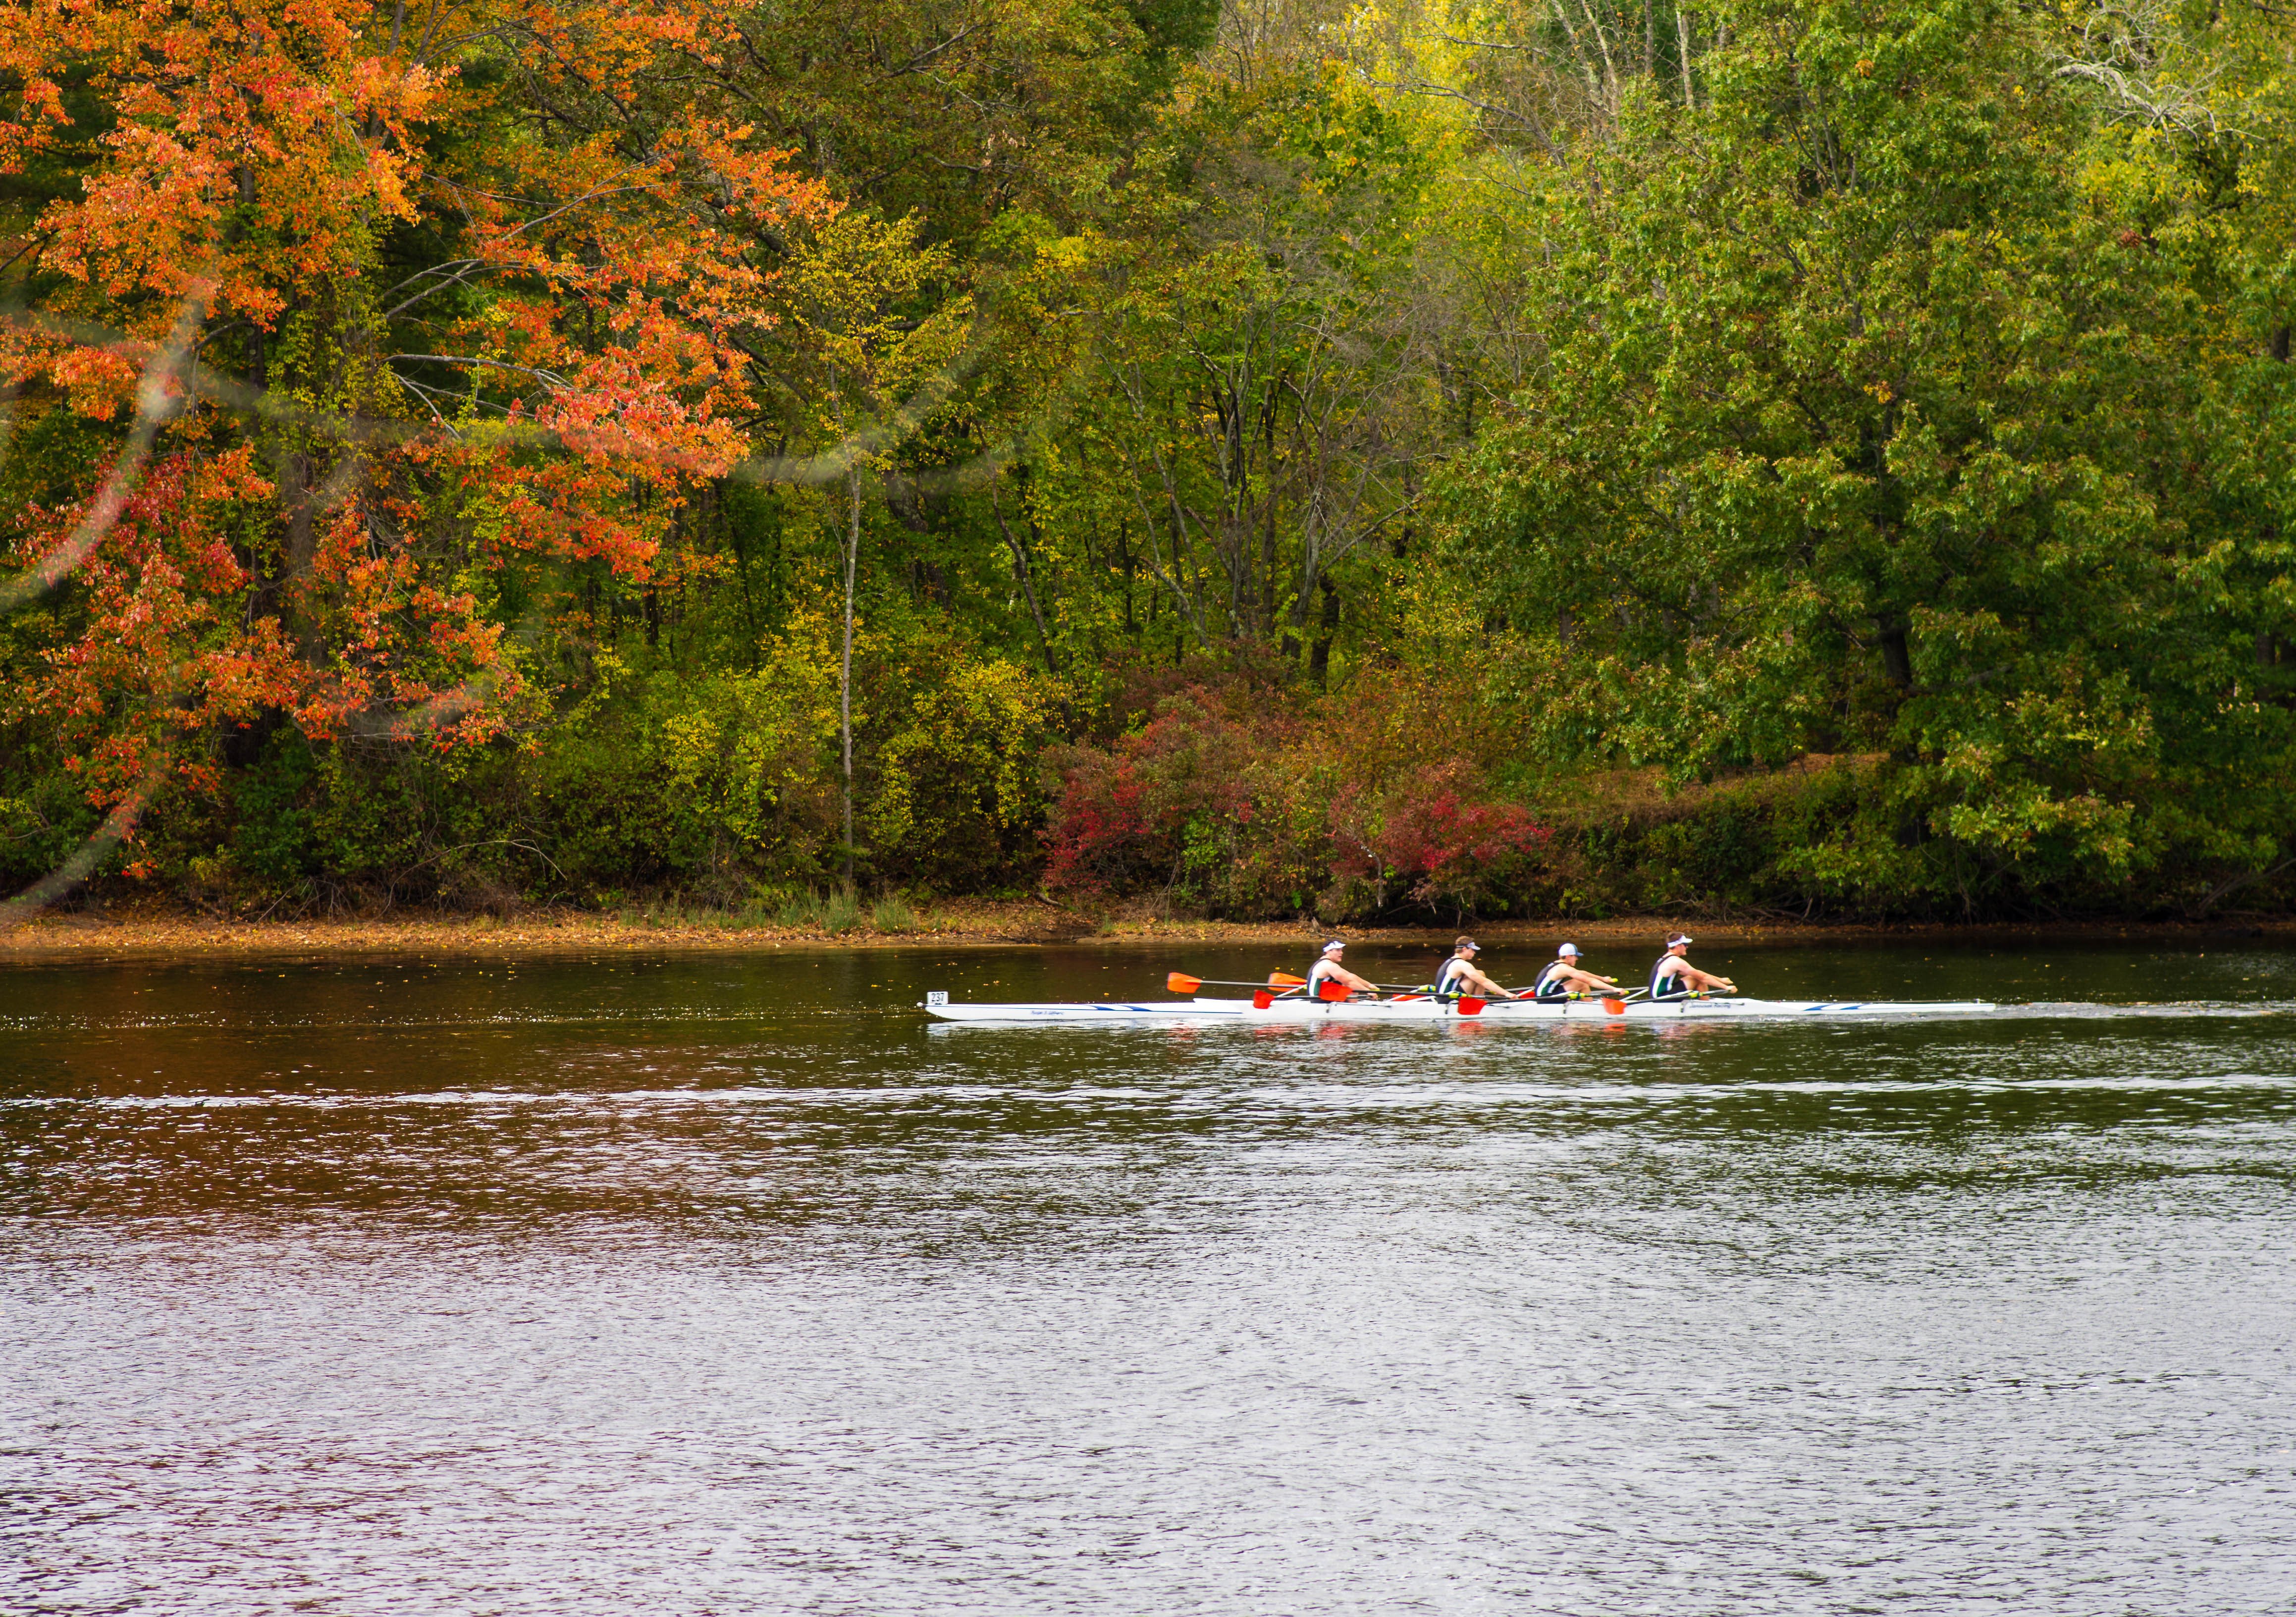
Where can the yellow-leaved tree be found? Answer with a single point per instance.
(877, 328)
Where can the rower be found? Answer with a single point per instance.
(1328, 969)
(1675, 978)
(1563, 979)
(1459, 978)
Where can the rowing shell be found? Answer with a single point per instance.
(1300, 1011)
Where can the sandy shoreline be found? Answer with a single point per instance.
(971, 925)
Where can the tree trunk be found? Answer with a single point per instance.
(845, 667)
(1023, 571)
(301, 486)
(1896, 660)
(1311, 574)
(1682, 34)
(1898, 663)
(1319, 659)
(1124, 556)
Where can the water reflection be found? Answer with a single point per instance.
(379, 1287)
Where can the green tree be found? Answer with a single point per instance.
(1870, 420)
(877, 332)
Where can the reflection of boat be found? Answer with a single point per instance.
(1303, 1011)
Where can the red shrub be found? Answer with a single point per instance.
(1283, 807)
(1437, 838)
(1120, 815)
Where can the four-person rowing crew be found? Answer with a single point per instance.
(1564, 990)
(1459, 979)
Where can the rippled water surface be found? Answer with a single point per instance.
(721, 1284)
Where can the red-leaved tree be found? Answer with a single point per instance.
(351, 342)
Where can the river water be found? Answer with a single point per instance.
(718, 1285)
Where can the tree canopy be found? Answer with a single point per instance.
(1484, 458)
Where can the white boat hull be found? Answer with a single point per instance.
(1300, 1011)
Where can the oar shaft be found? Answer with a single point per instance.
(1188, 982)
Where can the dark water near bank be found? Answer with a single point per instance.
(713, 1284)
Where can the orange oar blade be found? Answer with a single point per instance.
(1332, 991)
(1614, 1008)
(1180, 982)
(1471, 1007)
(1261, 999)
(1285, 980)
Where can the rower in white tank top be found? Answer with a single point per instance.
(1328, 969)
(1564, 978)
(1673, 977)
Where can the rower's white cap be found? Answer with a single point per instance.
(1568, 948)
(1679, 937)
(1336, 943)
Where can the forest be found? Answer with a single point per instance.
(1254, 458)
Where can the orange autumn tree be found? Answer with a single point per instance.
(345, 342)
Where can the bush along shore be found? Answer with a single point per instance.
(1228, 800)
(1778, 460)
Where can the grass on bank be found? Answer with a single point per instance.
(835, 913)
(808, 913)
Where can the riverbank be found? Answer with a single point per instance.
(956, 925)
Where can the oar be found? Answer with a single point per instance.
(1613, 1004)
(1330, 992)
(1469, 1006)
(1334, 992)
(1180, 982)
(1411, 988)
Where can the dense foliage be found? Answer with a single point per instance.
(1502, 457)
